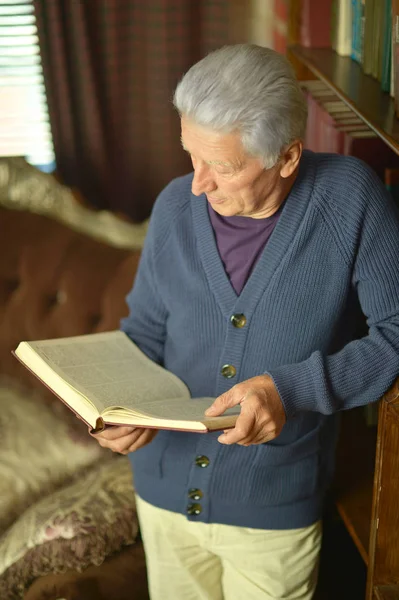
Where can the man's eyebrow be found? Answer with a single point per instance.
(220, 163)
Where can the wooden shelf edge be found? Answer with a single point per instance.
(304, 55)
(393, 410)
(352, 532)
(386, 592)
(391, 398)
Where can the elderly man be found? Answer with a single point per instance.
(253, 271)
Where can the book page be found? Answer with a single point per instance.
(192, 409)
(109, 369)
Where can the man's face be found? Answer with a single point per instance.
(234, 182)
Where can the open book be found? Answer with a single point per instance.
(106, 380)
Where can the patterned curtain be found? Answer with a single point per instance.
(110, 68)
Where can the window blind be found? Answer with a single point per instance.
(24, 120)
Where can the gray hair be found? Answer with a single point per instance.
(250, 89)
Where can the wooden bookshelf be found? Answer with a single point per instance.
(383, 564)
(362, 93)
(366, 492)
(366, 487)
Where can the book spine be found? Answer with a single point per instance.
(343, 27)
(334, 24)
(294, 21)
(373, 151)
(395, 52)
(315, 31)
(100, 426)
(354, 29)
(357, 25)
(280, 27)
(386, 58)
(378, 40)
(368, 37)
(362, 30)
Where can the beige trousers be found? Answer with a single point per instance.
(208, 561)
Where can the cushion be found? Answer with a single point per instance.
(42, 446)
(72, 528)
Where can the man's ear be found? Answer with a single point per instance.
(290, 159)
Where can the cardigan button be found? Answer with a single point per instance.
(228, 371)
(238, 320)
(202, 461)
(194, 509)
(195, 494)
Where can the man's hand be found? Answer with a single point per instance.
(262, 414)
(124, 439)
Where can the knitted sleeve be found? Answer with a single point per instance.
(366, 229)
(146, 323)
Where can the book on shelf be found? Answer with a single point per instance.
(315, 23)
(341, 27)
(376, 32)
(368, 39)
(395, 53)
(294, 21)
(357, 24)
(105, 379)
(386, 54)
(352, 126)
(329, 119)
(378, 41)
(280, 25)
(345, 121)
(361, 29)
(367, 146)
(334, 127)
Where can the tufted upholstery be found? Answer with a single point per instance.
(55, 283)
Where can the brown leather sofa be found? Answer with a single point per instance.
(57, 282)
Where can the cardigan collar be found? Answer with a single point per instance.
(281, 239)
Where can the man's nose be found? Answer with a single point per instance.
(203, 181)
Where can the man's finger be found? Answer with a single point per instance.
(261, 437)
(113, 433)
(142, 440)
(121, 443)
(223, 402)
(264, 428)
(139, 443)
(242, 430)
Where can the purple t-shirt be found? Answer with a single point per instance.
(240, 241)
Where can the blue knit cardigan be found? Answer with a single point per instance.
(335, 248)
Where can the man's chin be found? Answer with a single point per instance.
(223, 208)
